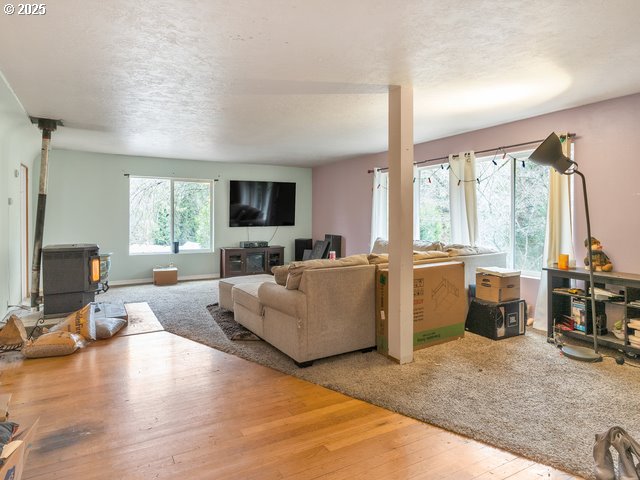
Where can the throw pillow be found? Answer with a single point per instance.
(280, 273)
(296, 269)
(425, 246)
(380, 246)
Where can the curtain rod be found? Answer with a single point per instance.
(496, 149)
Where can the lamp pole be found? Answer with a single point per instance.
(590, 253)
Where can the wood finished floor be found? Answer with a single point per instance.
(155, 405)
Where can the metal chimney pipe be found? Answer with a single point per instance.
(47, 126)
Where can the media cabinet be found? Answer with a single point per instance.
(235, 261)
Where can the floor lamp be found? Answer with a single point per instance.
(550, 153)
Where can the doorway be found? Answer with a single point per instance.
(24, 231)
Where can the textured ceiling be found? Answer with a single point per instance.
(305, 82)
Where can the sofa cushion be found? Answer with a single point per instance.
(381, 258)
(296, 269)
(290, 302)
(455, 250)
(225, 285)
(246, 294)
(426, 246)
(382, 246)
(280, 273)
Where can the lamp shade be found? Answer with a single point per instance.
(549, 153)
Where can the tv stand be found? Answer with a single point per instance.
(237, 261)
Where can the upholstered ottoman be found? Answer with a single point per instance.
(247, 309)
(226, 284)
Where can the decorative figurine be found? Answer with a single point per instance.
(601, 262)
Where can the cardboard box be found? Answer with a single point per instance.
(165, 276)
(439, 305)
(13, 455)
(497, 288)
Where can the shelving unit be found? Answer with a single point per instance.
(249, 261)
(559, 303)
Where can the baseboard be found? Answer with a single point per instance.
(181, 278)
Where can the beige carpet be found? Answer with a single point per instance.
(519, 394)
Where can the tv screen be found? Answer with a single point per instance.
(261, 204)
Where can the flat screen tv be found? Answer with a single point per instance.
(261, 204)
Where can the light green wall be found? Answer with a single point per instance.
(19, 143)
(88, 202)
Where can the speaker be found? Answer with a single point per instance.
(497, 320)
(302, 244)
(335, 243)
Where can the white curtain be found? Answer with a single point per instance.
(379, 206)
(416, 203)
(462, 198)
(559, 233)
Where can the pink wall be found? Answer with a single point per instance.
(605, 148)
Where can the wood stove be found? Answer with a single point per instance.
(71, 276)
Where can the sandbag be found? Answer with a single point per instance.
(108, 327)
(81, 322)
(13, 334)
(53, 344)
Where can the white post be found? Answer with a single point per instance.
(401, 223)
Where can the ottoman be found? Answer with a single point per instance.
(247, 309)
(225, 285)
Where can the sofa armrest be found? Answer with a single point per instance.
(341, 304)
(291, 302)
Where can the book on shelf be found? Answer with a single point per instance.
(602, 294)
(579, 314)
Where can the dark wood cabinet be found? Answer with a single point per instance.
(249, 261)
(559, 304)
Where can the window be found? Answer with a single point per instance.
(512, 208)
(433, 204)
(163, 211)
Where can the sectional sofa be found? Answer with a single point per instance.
(319, 308)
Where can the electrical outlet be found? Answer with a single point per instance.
(10, 201)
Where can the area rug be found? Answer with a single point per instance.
(232, 329)
(519, 394)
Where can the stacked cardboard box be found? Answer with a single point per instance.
(498, 285)
(439, 305)
(14, 454)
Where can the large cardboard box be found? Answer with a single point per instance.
(165, 276)
(497, 285)
(439, 305)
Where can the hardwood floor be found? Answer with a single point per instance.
(155, 405)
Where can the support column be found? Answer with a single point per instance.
(401, 223)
